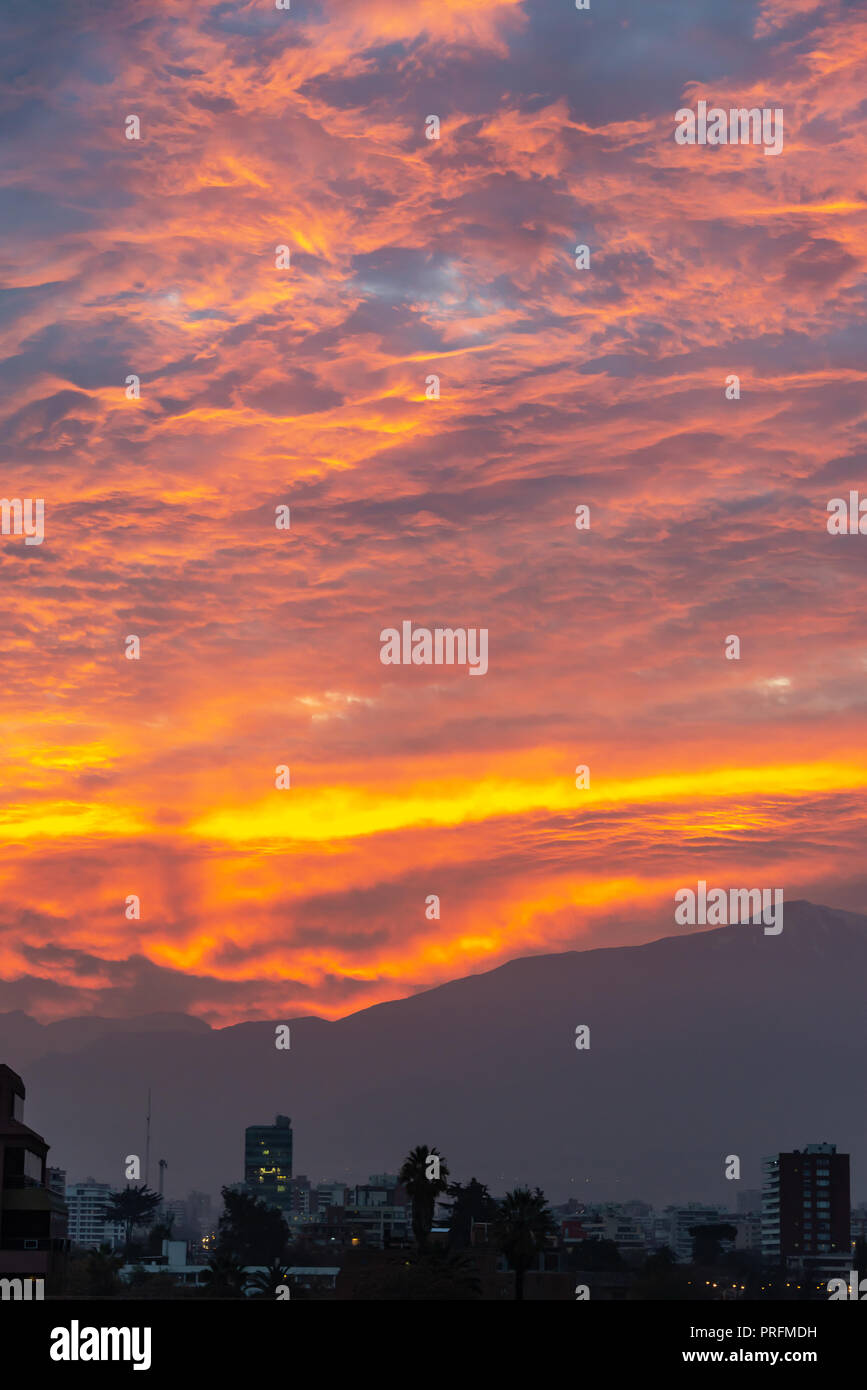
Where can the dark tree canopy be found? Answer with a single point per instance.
(471, 1202)
(250, 1230)
(706, 1241)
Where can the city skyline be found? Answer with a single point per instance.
(801, 1227)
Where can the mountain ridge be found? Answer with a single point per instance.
(702, 1045)
(126, 1022)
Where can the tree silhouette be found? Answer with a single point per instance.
(228, 1279)
(423, 1191)
(520, 1229)
(432, 1276)
(661, 1261)
(148, 1282)
(133, 1206)
(662, 1279)
(102, 1268)
(470, 1202)
(251, 1230)
(706, 1247)
(598, 1255)
(160, 1231)
(266, 1282)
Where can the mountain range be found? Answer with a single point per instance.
(702, 1045)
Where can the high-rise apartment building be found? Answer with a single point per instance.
(268, 1161)
(805, 1207)
(88, 1227)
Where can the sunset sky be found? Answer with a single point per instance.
(305, 386)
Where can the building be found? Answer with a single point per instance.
(33, 1235)
(329, 1194)
(750, 1201)
(805, 1209)
(199, 1212)
(201, 1224)
(268, 1162)
(176, 1209)
(378, 1214)
(319, 1279)
(610, 1221)
(183, 1228)
(173, 1261)
(572, 1230)
(858, 1226)
(680, 1220)
(748, 1225)
(301, 1198)
(88, 1227)
(657, 1229)
(57, 1181)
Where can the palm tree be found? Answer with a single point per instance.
(521, 1229)
(228, 1278)
(472, 1203)
(266, 1282)
(133, 1206)
(423, 1190)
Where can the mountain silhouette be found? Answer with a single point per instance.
(702, 1045)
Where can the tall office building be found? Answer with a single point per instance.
(268, 1161)
(33, 1240)
(805, 1208)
